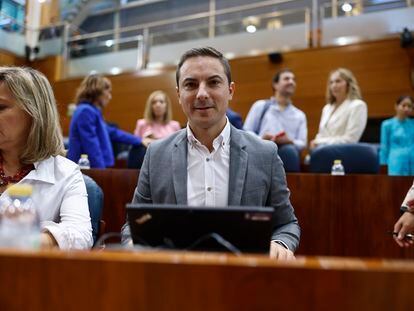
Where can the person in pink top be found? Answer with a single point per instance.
(157, 121)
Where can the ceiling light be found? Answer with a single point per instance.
(342, 41)
(229, 55)
(346, 7)
(251, 23)
(251, 28)
(115, 70)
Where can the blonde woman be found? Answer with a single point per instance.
(344, 117)
(31, 149)
(157, 121)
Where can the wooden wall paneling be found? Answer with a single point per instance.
(51, 67)
(9, 59)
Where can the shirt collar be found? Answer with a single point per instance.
(288, 106)
(222, 139)
(44, 171)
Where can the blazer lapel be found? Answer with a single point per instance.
(179, 168)
(238, 167)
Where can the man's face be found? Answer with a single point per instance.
(286, 85)
(203, 92)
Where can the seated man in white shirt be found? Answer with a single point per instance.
(278, 120)
(211, 163)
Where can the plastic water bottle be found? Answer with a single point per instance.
(337, 168)
(83, 162)
(19, 221)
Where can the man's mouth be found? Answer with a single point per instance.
(202, 107)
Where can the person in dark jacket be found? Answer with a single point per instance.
(234, 118)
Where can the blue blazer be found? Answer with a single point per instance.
(90, 134)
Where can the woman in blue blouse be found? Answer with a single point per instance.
(89, 134)
(397, 139)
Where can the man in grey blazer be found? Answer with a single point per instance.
(212, 163)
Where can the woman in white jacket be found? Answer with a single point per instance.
(345, 115)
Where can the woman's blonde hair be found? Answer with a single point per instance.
(148, 113)
(34, 95)
(353, 91)
(91, 88)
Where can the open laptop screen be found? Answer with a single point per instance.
(247, 229)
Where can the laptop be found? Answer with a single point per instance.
(232, 228)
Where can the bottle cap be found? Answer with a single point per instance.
(20, 190)
(337, 162)
(84, 155)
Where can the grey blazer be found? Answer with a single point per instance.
(257, 178)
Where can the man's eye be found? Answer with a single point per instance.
(189, 85)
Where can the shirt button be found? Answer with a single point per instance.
(207, 159)
(208, 188)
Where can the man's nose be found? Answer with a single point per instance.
(202, 92)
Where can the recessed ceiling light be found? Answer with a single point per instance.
(251, 28)
(346, 7)
(115, 70)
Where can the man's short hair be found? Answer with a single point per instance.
(208, 52)
(276, 77)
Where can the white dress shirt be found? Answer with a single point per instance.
(208, 173)
(59, 195)
(275, 119)
(342, 125)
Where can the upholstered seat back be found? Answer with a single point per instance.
(358, 158)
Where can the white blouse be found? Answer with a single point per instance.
(60, 197)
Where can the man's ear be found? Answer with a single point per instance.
(232, 89)
(178, 94)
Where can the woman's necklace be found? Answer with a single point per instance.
(5, 180)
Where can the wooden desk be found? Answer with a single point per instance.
(197, 281)
(339, 215)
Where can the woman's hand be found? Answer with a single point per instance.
(47, 241)
(313, 144)
(146, 141)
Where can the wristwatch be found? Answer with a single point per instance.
(405, 208)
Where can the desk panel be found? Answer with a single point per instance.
(197, 281)
(348, 215)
